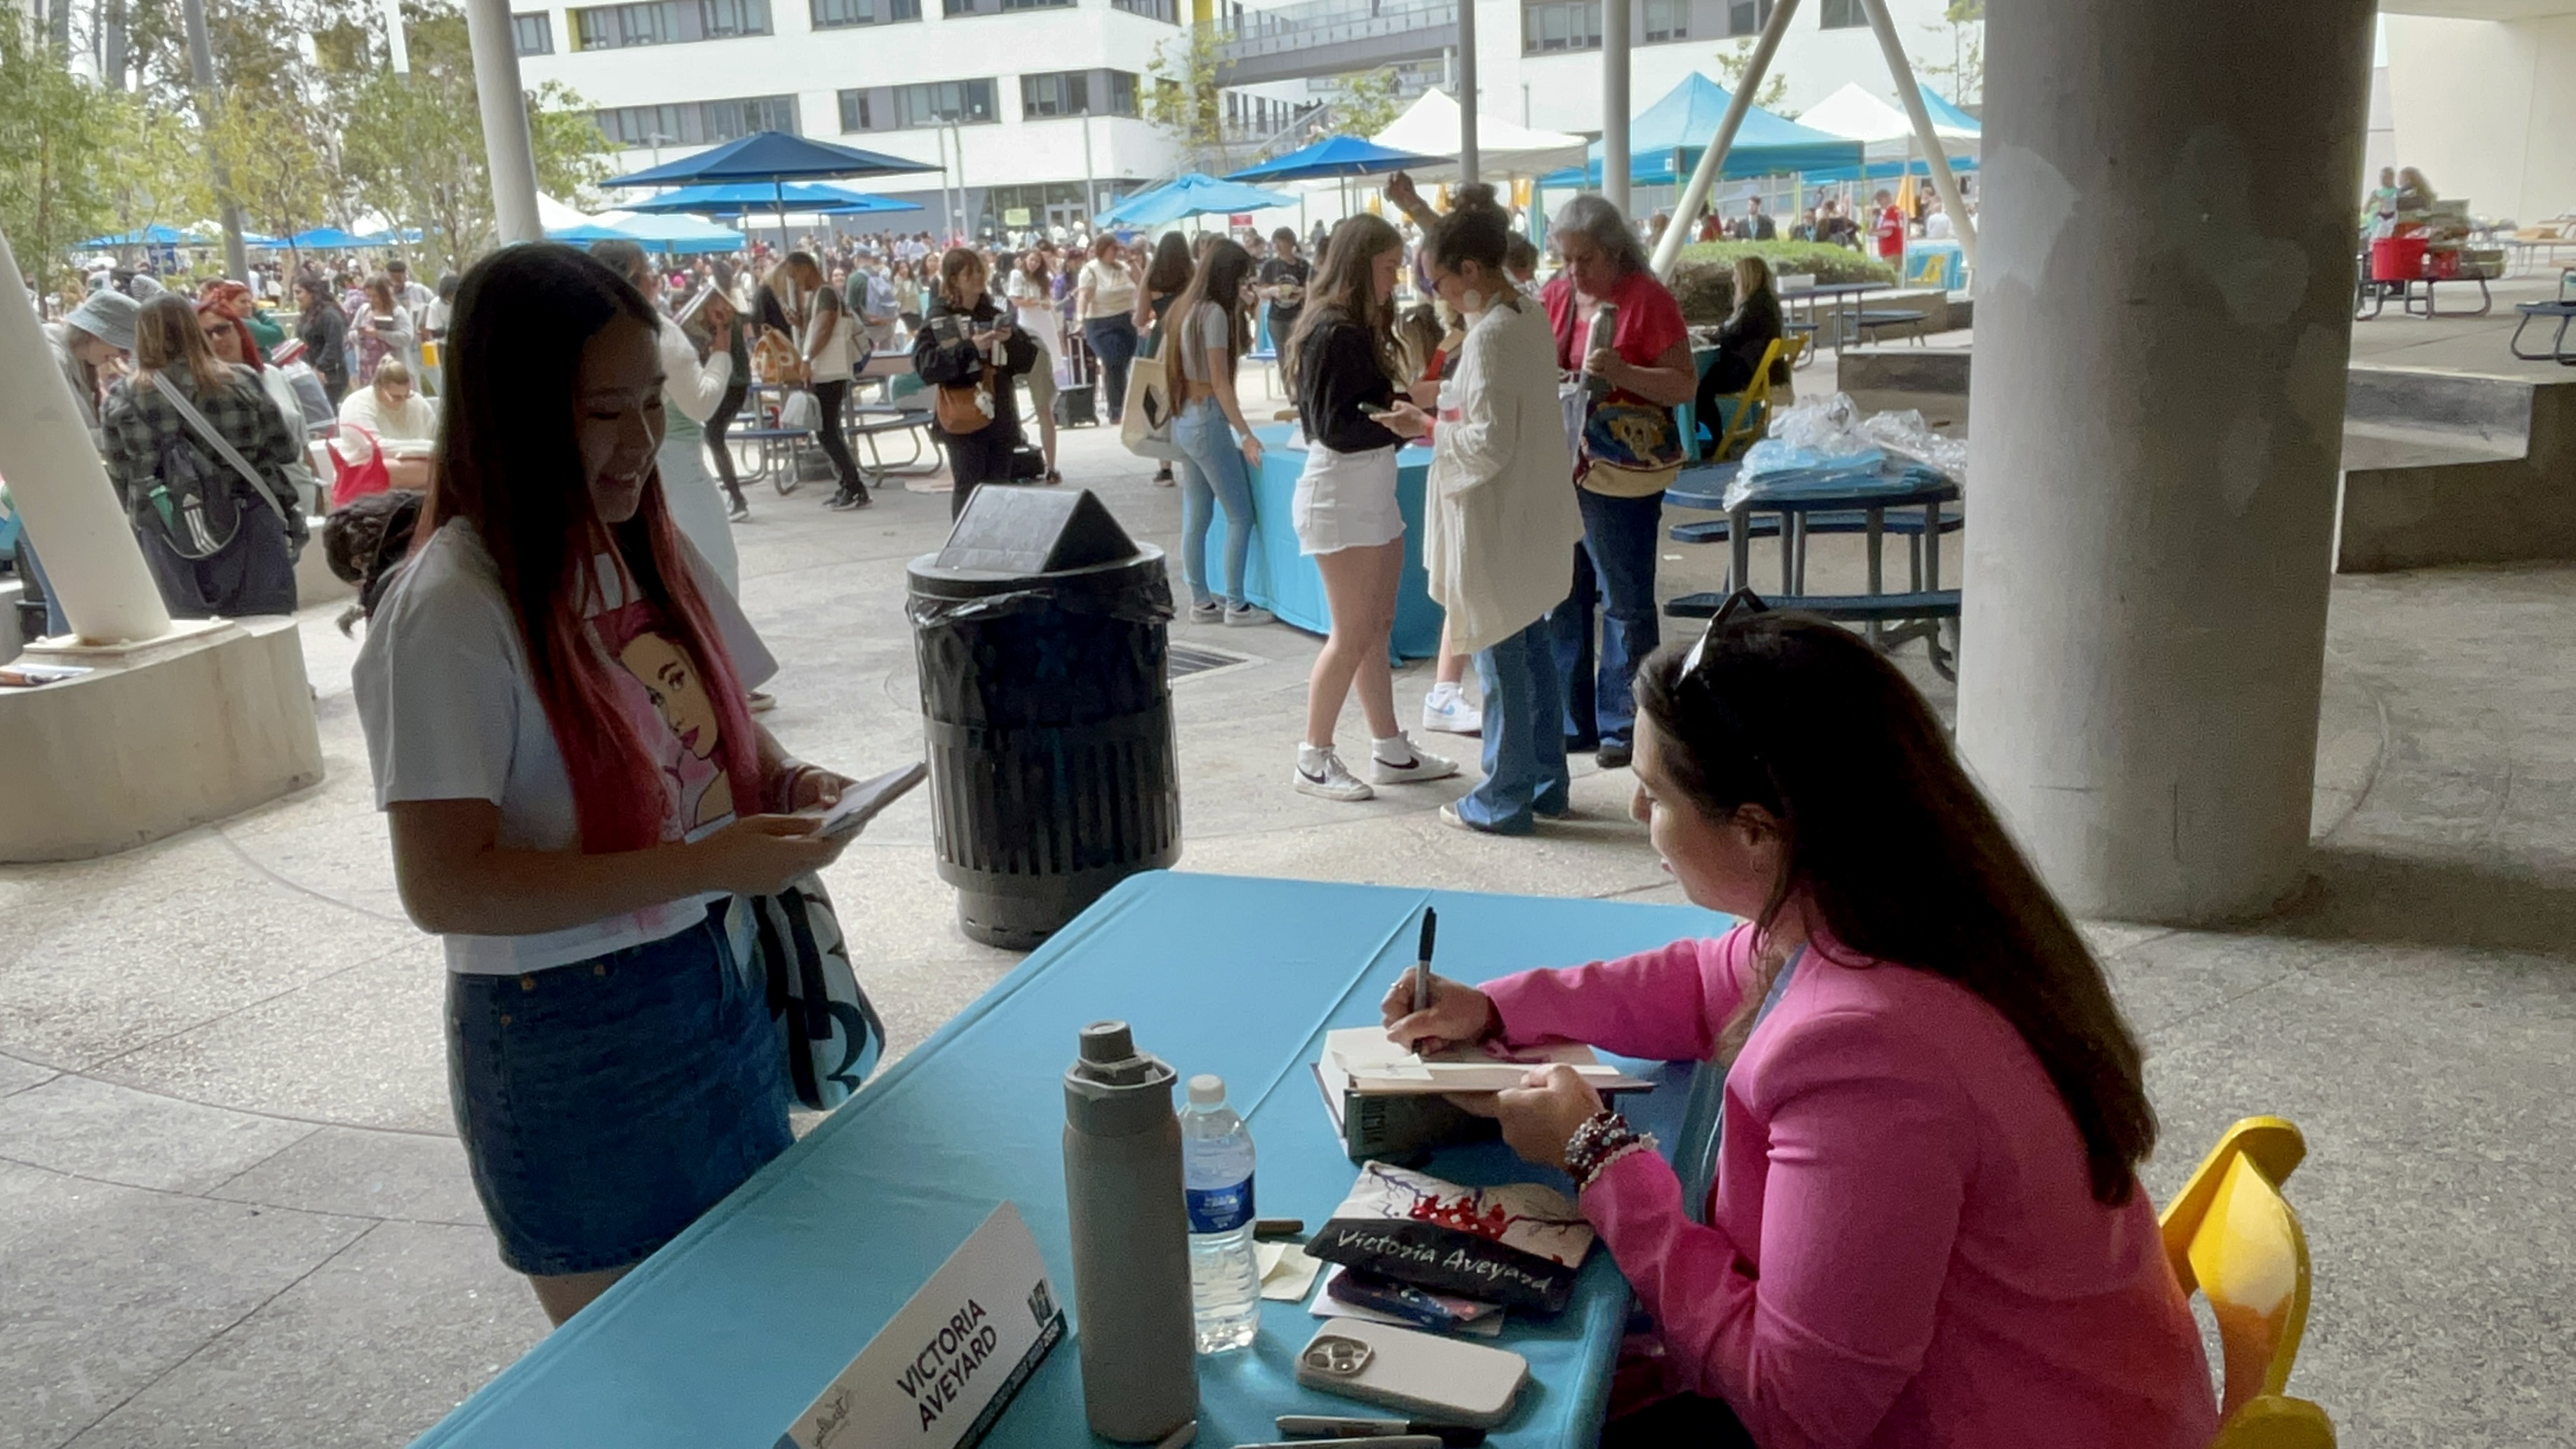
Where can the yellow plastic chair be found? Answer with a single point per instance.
(2232, 1235)
(1752, 412)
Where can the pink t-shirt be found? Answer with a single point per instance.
(1902, 1250)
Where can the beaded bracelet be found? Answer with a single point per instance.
(782, 786)
(1604, 1137)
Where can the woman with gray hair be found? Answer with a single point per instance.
(1630, 450)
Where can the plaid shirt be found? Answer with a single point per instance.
(139, 423)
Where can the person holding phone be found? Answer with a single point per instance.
(1346, 378)
(553, 690)
(968, 346)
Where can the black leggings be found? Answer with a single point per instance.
(717, 422)
(975, 459)
(836, 444)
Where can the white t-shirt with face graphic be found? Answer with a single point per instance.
(452, 713)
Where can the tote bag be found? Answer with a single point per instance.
(1147, 429)
(829, 1032)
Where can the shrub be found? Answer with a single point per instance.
(1704, 279)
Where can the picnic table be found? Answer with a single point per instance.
(723, 1336)
(1793, 507)
(1850, 321)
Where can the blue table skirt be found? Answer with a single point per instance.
(719, 1339)
(1286, 582)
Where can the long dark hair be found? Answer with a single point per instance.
(1896, 851)
(1220, 280)
(1169, 271)
(509, 462)
(1344, 291)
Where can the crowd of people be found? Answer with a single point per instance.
(558, 695)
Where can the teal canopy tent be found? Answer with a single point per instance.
(1666, 139)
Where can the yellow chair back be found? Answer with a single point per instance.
(1753, 405)
(2233, 1236)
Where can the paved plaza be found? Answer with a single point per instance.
(233, 1211)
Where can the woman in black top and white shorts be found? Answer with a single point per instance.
(1343, 368)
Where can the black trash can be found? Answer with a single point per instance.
(1040, 634)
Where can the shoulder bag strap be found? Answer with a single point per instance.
(232, 455)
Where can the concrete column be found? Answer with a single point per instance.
(1614, 103)
(508, 152)
(1467, 70)
(91, 557)
(2163, 325)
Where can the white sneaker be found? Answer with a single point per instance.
(1449, 712)
(1240, 615)
(1417, 764)
(1320, 772)
(1208, 613)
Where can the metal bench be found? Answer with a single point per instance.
(1868, 321)
(2532, 312)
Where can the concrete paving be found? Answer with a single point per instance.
(232, 1209)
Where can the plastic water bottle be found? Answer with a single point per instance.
(1216, 1178)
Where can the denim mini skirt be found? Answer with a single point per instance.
(606, 1104)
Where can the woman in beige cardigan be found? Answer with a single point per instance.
(1499, 517)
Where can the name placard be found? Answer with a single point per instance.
(943, 1369)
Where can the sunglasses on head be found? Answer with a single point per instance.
(1741, 601)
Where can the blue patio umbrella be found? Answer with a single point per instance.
(325, 237)
(1666, 139)
(776, 158)
(155, 235)
(735, 198)
(1334, 157)
(687, 235)
(1194, 193)
(586, 233)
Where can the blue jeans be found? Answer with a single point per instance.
(1615, 564)
(1524, 749)
(1113, 341)
(1211, 472)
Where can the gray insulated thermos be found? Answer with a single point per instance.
(1131, 1239)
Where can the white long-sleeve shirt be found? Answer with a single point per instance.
(690, 387)
(1500, 518)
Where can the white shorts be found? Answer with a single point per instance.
(1346, 500)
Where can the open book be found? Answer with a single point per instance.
(1388, 1102)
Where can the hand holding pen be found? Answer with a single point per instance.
(1426, 1013)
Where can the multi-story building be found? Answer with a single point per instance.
(1032, 107)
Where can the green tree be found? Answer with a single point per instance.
(57, 139)
(160, 172)
(1963, 76)
(1368, 103)
(414, 143)
(283, 177)
(1736, 59)
(1181, 89)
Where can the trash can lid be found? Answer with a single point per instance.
(1033, 531)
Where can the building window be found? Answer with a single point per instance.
(1747, 17)
(1552, 25)
(667, 22)
(996, 7)
(697, 123)
(535, 33)
(1667, 20)
(1161, 10)
(1078, 93)
(835, 14)
(1841, 15)
(936, 103)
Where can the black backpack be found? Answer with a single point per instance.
(192, 503)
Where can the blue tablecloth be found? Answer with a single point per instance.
(719, 1339)
(1284, 581)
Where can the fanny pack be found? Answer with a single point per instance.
(1630, 449)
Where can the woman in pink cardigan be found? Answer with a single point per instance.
(1925, 1229)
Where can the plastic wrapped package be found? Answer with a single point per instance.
(1905, 434)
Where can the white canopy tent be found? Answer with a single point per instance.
(1885, 131)
(1430, 126)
